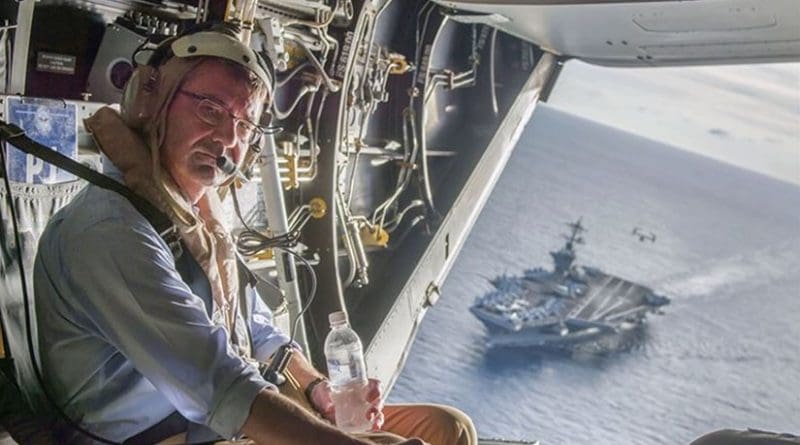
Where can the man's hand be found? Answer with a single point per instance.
(374, 396)
(276, 419)
(323, 402)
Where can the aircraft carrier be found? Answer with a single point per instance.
(565, 307)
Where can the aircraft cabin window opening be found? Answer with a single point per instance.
(382, 129)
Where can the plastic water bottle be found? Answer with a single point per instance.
(348, 375)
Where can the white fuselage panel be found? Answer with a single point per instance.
(654, 33)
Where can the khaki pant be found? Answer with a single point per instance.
(435, 424)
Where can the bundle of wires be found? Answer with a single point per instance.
(252, 242)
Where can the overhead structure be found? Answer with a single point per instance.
(392, 121)
(649, 32)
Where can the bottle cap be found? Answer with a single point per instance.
(337, 317)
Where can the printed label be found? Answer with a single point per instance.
(426, 56)
(341, 64)
(55, 63)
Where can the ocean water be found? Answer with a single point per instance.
(725, 353)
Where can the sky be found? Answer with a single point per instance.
(746, 115)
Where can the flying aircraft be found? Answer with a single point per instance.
(396, 119)
(650, 236)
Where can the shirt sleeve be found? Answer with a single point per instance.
(127, 288)
(267, 338)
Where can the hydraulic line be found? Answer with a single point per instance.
(314, 24)
(280, 114)
(395, 222)
(331, 84)
(492, 86)
(404, 177)
(348, 244)
(285, 79)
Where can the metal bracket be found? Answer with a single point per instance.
(432, 294)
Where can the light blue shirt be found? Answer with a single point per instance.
(124, 340)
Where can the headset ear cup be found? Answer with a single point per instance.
(139, 97)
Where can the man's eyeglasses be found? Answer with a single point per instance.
(214, 113)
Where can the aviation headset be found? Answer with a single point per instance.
(140, 97)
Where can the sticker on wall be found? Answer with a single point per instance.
(49, 122)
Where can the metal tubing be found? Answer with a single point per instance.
(22, 40)
(348, 242)
(361, 254)
(279, 224)
(492, 87)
